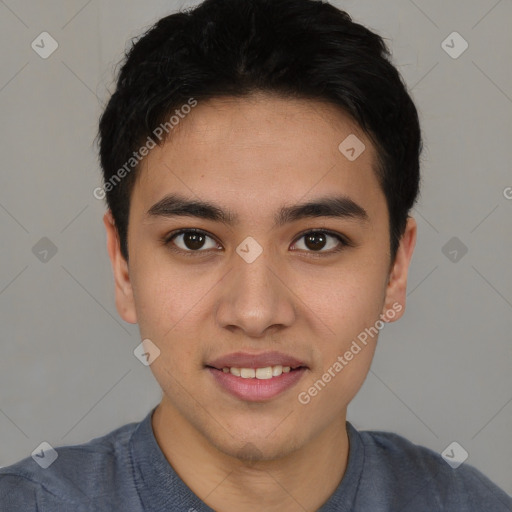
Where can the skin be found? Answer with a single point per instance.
(279, 454)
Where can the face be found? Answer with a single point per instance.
(267, 283)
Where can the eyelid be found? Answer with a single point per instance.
(167, 240)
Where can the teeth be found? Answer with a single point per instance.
(277, 370)
(247, 373)
(259, 373)
(264, 373)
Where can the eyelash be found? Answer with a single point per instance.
(167, 241)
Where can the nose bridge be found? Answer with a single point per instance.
(254, 281)
(255, 276)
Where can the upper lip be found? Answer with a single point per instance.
(261, 360)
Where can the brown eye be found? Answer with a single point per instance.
(315, 241)
(191, 240)
(195, 241)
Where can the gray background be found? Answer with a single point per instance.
(67, 369)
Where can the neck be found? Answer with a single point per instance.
(298, 481)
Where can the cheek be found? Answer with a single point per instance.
(169, 305)
(343, 356)
(164, 295)
(351, 308)
(154, 304)
(331, 389)
(350, 299)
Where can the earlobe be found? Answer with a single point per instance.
(123, 289)
(396, 291)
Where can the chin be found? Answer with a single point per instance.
(254, 445)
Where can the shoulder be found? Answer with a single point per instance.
(411, 475)
(79, 474)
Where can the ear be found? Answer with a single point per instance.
(396, 291)
(124, 293)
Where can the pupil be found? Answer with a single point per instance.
(311, 238)
(194, 240)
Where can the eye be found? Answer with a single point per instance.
(189, 241)
(192, 241)
(315, 241)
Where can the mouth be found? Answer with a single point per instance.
(256, 377)
(262, 373)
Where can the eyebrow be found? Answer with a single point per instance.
(174, 205)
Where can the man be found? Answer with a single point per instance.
(260, 160)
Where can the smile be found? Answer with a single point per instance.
(258, 373)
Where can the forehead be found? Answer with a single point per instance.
(258, 151)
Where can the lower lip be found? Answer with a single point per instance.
(256, 390)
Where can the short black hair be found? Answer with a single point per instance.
(304, 49)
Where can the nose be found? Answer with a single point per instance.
(255, 298)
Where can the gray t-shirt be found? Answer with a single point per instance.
(126, 471)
